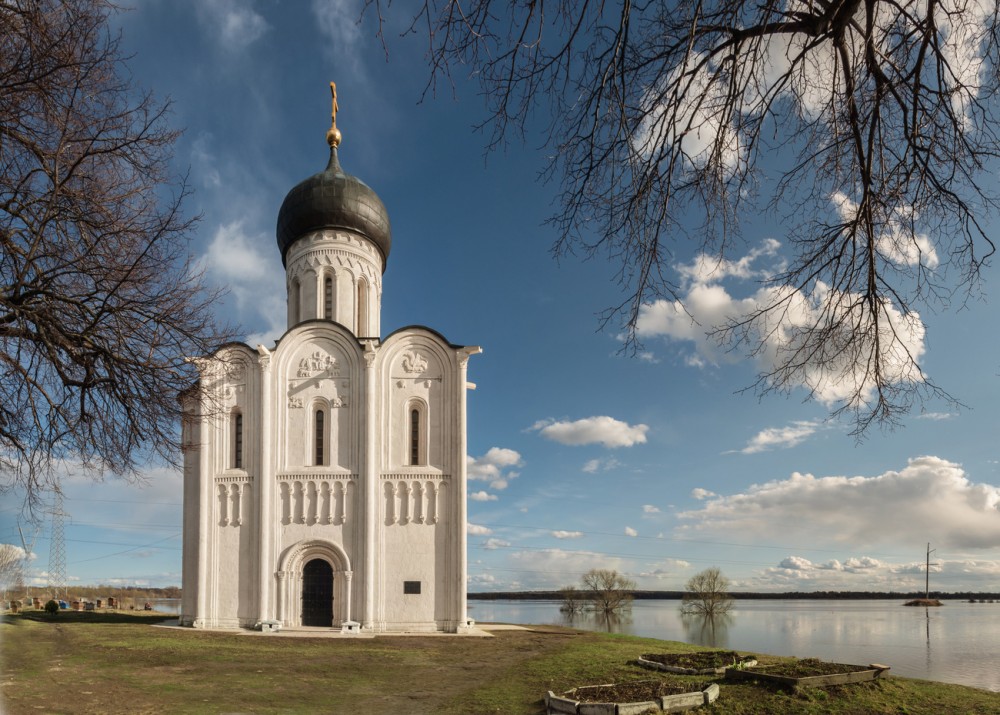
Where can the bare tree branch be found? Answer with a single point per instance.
(100, 300)
(880, 116)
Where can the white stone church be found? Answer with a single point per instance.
(325, 478)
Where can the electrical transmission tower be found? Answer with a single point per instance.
(57, 549)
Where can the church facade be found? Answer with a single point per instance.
(325, 478)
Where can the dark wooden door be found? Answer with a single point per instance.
(317, 594)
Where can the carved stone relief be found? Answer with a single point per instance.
(414, 362)
(319, 363)
(334, 402)
(236, 372)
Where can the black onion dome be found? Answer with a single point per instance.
(333, 199)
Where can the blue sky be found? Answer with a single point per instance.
(581, 457)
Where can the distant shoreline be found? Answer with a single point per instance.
(749, 595)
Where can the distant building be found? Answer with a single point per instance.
(325, 479)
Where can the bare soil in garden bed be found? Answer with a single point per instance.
(699, 661)
(635, 691)
(808, 667)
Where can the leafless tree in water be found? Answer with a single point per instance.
(607, 590)
(706, 594)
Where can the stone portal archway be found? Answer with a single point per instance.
(314, 585)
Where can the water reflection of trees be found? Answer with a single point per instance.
(618, 622)
(711, 631)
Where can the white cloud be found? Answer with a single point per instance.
(831, 374)
(233, 255)
(567, 534)
(713, 269)
(602, 430)
(478, 529)
(930, 499)
(650, 509)
(629, 531)
(337, 20)
(963, 47)
(482, 496)
(490, 467)
(234, 260)
(856, 573)
(234, 23)
(937, 416)
(795, 563)
(698, 125)
(14, 550)
(601, 465)
(481, 579)
(553, 568)
(896, 242)
(705, 117)
(781, 437)
(667, 571)
(701, 494)
(493, 544)
(204, 163)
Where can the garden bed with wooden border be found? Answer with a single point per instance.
(697, 663)
(585, 700)
(808, 673)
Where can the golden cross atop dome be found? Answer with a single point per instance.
(333, 136)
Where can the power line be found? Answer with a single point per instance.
(109, 525)
(126, 501)
(119, 553)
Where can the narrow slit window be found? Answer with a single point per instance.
(294, 301)
(328, 298)
(238, 441)
(414, 436)
(319, 438)
(362, 308)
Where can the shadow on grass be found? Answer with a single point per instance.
(133, 617)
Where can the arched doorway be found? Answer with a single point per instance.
(298, 577)
(317, 594)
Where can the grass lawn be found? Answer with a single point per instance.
(118, 663)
